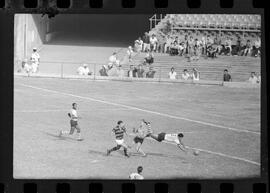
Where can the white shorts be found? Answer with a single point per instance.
(119, 141)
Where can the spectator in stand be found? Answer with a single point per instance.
(197, 49)
(120, 71)
(248, 48)
(83, 70)
(242, 49)
(259, 79)
(174, 49)
(146, 42)
(226, 76)
(172, 74)
(149, 58)
(228, 46)
(195, 74)
(181, 49)
(185, 74)
(209, 43)
(169, 41)
(35, 59)
(212, 51)
(203, 45)
(140, 71)
(253, 79)
(132, 73)
(237, 48)
(103, 71)
(26, 67)
(256, 47)
(138, 45)
(150, 73)
(153, 43)
(113, 60)
(129, 53)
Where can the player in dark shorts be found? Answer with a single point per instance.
(119, 132)
(73, 123)
(141, 133)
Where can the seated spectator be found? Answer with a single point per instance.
(242, 49)
(172, 74)
(149, 59)
(140, 71)
(174, 49)
(248, 48)
(103, 71)
(253, 79)
(153, 43)
(120, 72)
(150, 73)
(212, 51)
(113, 60)
(237, 47)
(132, 72)
(181, 49)
(185, 74)
(256, 47)
(83, 70)
(226, 76)
(138, 46)
(228, 46)
(195, 74)
(168, 43)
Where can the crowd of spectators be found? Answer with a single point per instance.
(186, 75)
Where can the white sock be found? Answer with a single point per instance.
(65, 132)
(79, 135)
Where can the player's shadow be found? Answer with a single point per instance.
(118, 153)
(57, 137)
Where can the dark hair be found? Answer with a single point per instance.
(73, 104)
(185, 70)
(225, 70)
(140, 169)
(119, 122)
(180, 135)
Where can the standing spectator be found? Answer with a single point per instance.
(228, 46)
(149, 58)
(129, 53)
(35, 59)
(226, 76)
(172, 74)
(140, 71)
(195, 74)
(26, 67)
(181, 49)
(203, 45)
(153, 43)
(138, 175)
(150, 73)
(168, 43)
(132, 73)
(256, 47)
(138, 45)
(253, 79)
(146, 42)
(185, 75)
(83, 70)
(248, 48)
(103, 71)
(113, 60)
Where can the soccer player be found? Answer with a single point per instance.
(141, 134)
(174, 137)
(119, 132)
(137, 176)
(73, 123)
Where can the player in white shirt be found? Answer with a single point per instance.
(172, 74)
(153, 42)
(113, 60)
(35, 58)
(83, 70)
(129, 53)
(137, 176)
(73, 115)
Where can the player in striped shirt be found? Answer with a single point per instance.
(119, 132)
(138, 175)
(141, 133)
(73, 115)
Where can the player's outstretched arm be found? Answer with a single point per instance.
(183, 148)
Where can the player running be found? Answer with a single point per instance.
(141, 133)
(119, 132)
(73, 115)
(170, 137)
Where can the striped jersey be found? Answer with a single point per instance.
(119, 132)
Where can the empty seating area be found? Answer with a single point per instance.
(216, 21)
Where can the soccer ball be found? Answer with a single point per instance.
(196, 152)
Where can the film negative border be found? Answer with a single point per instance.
(8, 184)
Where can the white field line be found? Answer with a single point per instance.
(61, 110)
(210, 152)
(162, 114)
(144, 110)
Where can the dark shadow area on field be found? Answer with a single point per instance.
(57, 137)
(103, 153)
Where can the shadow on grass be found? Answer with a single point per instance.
(57, 137)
